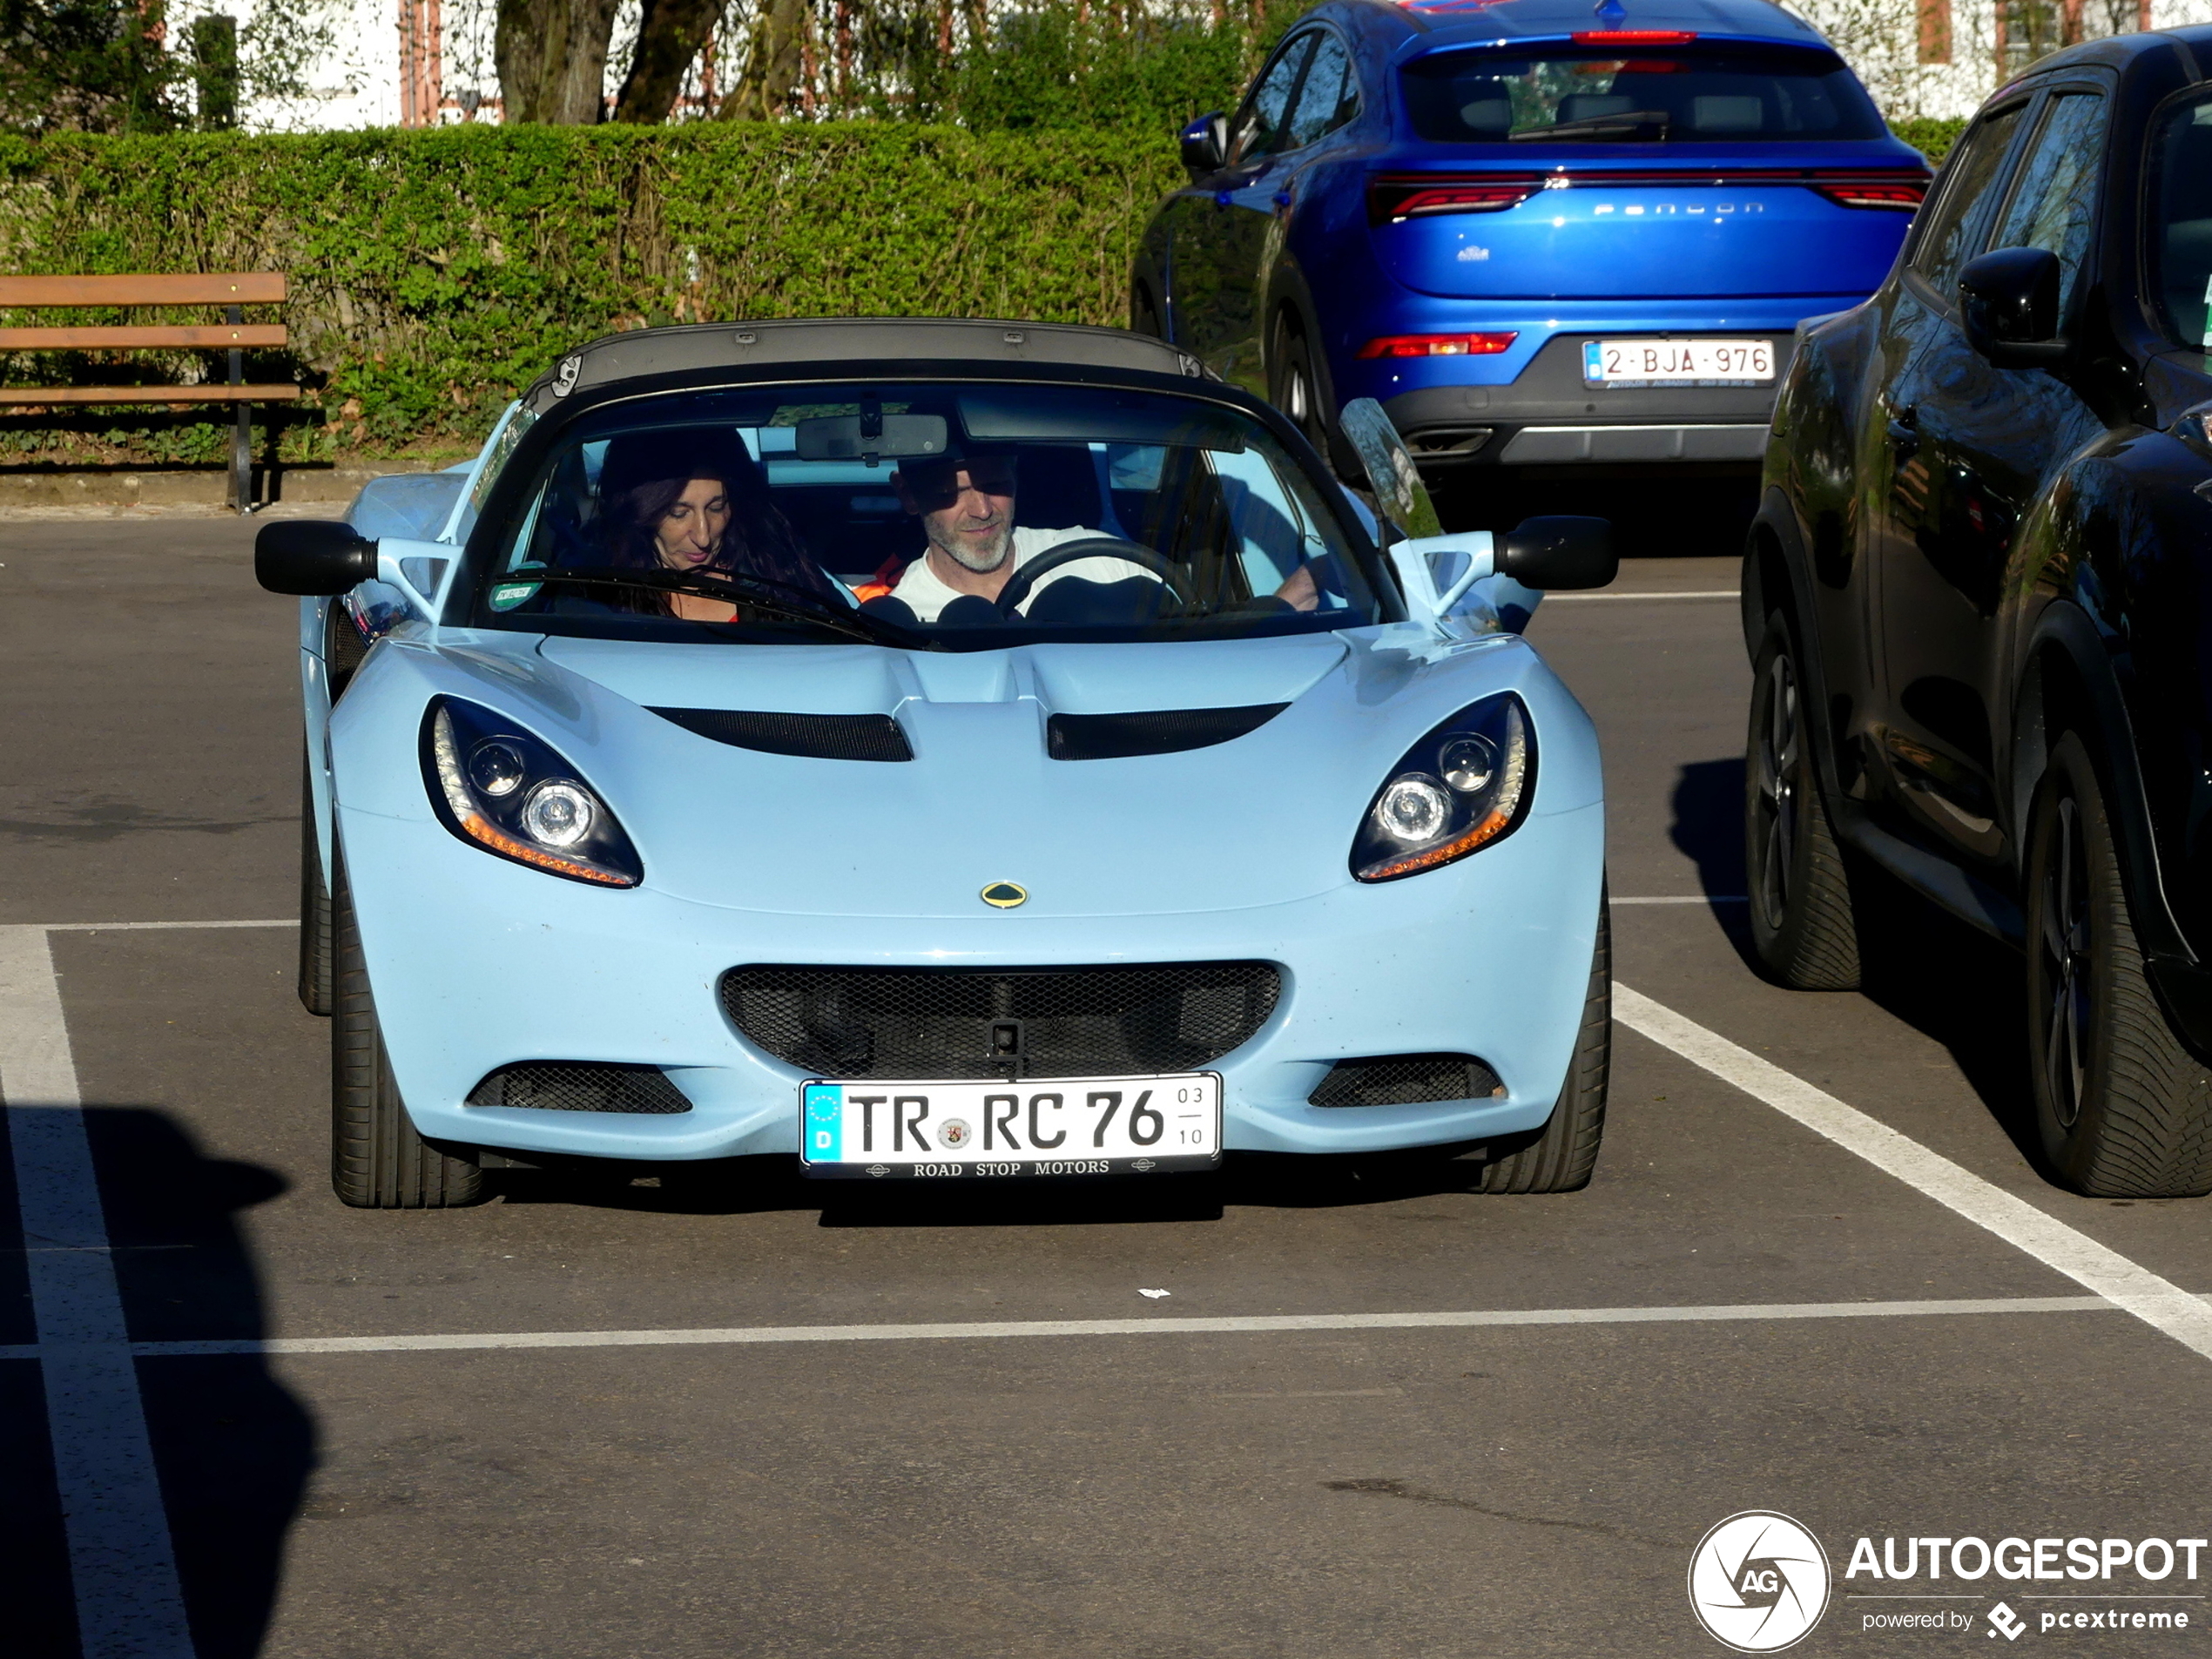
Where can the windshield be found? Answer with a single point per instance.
(936, 516)
(1672, 96)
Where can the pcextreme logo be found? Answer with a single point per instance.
(1758, 1581)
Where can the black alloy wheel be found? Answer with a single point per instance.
(2122, 1109)
(1294, 388)
(1803, 925)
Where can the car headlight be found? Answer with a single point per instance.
(498, 786)
(1464, 786)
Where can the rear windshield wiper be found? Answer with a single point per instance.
(759, 593)
(1630, 124)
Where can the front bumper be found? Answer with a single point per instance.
(475, 963)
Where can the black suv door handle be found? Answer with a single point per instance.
(1904, 434)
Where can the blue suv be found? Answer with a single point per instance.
(1538, 235)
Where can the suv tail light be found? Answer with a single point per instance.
(1438, 344)
(1394, 196)
(1901, 193)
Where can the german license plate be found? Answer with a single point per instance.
(1061, 1126)
(1677, 362)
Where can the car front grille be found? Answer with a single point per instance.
(580, 1086)
(985, 1023)
(1405, 1080)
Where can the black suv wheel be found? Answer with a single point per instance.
(1803, 925)
(2122, 1109)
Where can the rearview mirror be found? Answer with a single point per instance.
(1205, 144)
(313, 557)
(870, 436)
(2009, 303)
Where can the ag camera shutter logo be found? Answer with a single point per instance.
(1758, 1581)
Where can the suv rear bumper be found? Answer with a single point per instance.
(1549, 415)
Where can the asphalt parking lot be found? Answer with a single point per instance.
(695, 1455)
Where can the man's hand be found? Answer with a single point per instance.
(1300, 592)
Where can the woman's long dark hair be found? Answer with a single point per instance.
(646, 473)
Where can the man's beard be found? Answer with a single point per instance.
(983, 560)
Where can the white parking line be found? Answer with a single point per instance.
(1689, 898)
(1234, 1324)
(2143, 1293)
(121, 1564)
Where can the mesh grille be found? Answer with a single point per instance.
(580, 1086)
(1117, 736)
(954, 1022)
(816, 737)
(1405, 1080)
(343, 646)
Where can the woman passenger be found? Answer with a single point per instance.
(696, 500)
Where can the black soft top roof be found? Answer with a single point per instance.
(836, 344)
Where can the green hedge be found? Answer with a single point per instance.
(1932, 137)
(434, 272)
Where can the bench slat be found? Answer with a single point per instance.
(225, 288)
(213, 334)
(283, 392)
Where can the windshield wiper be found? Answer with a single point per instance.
(1649, 125)
(764, 594)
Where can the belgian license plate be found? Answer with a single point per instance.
(1061, 1126)
(1677, 362)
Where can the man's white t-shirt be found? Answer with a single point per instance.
(920, 591)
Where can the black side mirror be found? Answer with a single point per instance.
(2009, 300)
(1558, 553)
(311, 556)
(1205, 144)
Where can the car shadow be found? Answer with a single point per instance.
(1708, 827)
(761, 1185)
(233, 1447)
(1956, 985)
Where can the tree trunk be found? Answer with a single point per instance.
(773, 68)
(670, 35)
(552, 58)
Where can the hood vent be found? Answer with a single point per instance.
(816, 737)
(1165, 732)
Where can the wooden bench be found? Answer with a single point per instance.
(231, 290)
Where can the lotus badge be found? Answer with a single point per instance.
(1004, 895)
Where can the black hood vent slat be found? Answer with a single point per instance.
(815, 737)
(1164, 731)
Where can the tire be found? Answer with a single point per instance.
(1294, 383)
(377, 1161)
(1804, 926)
(314, 906)
(1560, 1157)
(2122, 1109)
(1145, 313)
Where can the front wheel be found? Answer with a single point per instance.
(2122, 1109)
(1560, 1156)
(315, 906)
(1802, 922)
(377, 1160)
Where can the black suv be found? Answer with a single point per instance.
(1977, 601)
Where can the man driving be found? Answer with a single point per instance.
(966, 505)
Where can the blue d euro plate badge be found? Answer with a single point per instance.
(822, 1123)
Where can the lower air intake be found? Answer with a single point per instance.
(1406, 1080)
(958, 1022)
(580, 1086)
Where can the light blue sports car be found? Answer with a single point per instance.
(938, 751)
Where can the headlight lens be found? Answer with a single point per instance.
(511, 795)
(1464, 786)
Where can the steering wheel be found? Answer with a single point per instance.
(1024, 581)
